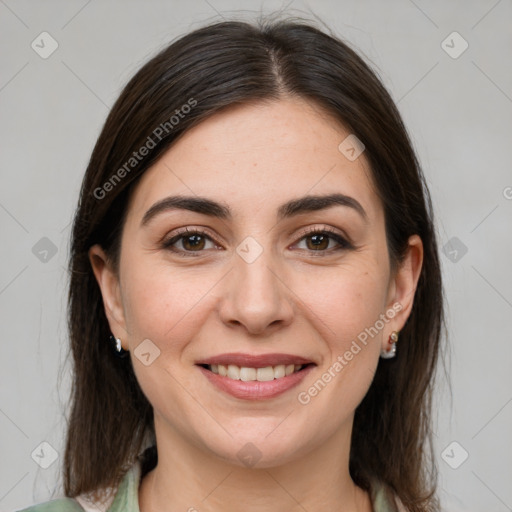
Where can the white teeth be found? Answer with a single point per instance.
(247, 374)
(289, 369)
(251, 374)
(280, 371)
(264, 374)
(233, 372)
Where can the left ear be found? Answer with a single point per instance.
(402, 287)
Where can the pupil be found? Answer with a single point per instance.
(318, 240)
(196, 240)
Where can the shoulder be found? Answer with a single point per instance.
(58, 505)
(122, 499)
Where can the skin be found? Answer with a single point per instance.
(291, 299)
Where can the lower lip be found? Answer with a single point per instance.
(256, 390)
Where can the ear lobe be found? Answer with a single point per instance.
(108, 282)
(405, 282)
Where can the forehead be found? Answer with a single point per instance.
(257, 156)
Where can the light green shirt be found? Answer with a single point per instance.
(126, 498)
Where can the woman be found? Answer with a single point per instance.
(255, 304)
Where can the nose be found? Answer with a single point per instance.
(255, 296)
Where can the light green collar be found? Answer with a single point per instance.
(127, 496)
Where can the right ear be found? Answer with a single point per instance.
(108, 282)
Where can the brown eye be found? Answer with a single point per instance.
(318, 240)
(189, 241)
(193, 242)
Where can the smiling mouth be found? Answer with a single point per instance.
(246, 374)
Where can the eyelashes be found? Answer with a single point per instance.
(196, 234)
(197, 239)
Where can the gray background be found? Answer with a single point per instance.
(458, 111)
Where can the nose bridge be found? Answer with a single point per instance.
(256, 297)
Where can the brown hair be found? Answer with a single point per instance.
(209, 69)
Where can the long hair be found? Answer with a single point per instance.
(193, 78)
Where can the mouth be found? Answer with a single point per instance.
(255, 377)
(248, 374)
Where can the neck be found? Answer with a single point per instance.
(190, 479)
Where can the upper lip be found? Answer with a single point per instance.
(254, 361)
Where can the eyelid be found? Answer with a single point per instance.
(323, 228)
(201, 230)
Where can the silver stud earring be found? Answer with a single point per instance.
(118, 348)
(391, 352)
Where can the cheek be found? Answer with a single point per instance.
(164, 304)
(344, 301)
(345, 309)
(168, 307)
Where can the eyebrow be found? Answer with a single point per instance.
(222, 211)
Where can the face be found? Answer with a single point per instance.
(252, 284)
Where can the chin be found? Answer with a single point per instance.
(258, 451)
